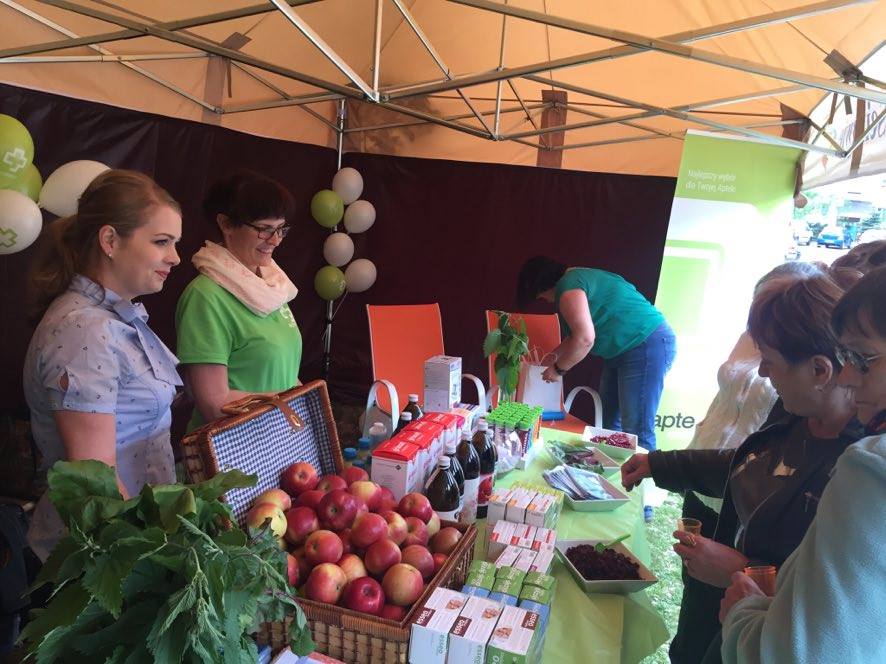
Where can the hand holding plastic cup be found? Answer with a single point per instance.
(763, 576)
(691, 526)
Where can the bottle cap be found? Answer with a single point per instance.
(450, 447)
(413, 398)
(443, 462)
(349, 453)
(364, 443)
(483, 425)
(406, 415)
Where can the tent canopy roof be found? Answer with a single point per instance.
(635, 74)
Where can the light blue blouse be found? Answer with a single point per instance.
(114, 364)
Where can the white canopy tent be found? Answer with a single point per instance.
(584, 85)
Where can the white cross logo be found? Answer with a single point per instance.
(15, 159)
(7, 238)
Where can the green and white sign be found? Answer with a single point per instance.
(729, 225)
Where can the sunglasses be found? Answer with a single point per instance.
(266, 233)
(862, 363)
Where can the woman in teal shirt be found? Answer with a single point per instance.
(236, 332)
(604, 315)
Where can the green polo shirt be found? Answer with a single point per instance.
(262, 353)
(623, 318)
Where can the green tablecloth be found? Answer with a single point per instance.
(598, 629)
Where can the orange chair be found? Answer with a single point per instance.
(543, 331)
(401, 338)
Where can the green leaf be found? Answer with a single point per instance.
(50, 572)
(139, 654)
(147, 576)
(221, 483)
(234, 602)
(162, 505)
(61, 611)
(183, 600)
(232, 537)
(170, 648)
(115, 530)
(129, 630)
(503, 321)
(82, 479)
(300, 640)
(492, 343)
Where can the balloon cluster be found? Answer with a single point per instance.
(328, 207)
(22, 188)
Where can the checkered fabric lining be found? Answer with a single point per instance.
(264, 446)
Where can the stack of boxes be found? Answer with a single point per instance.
(515, 425)
(456, 627)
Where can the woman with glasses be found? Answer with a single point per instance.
(829, 599)
(771, 483)
(236, 333)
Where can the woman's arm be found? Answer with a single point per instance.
(208, 385)
(582, 335)
(89, 436)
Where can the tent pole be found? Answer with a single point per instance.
(327, 337)
(501, 64)
(645, 42)
(376, 52)
(460, 116)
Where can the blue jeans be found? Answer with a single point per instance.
(632, 383)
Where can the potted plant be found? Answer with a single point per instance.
(165, 576)
(509, 344)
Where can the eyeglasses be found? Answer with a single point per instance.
(862, 363)
(266, 233)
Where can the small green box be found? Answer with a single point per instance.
(510, 587)
(511, 574)
(481, 566)
(480, 580)
(516, 638)
(536, 594)
(541, 580)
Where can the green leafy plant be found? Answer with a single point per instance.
(162, 577)
(509, 344)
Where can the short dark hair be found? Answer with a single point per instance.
(863, 257)
(859, 309)
(795, 319)
(246, 196)
(537, 275)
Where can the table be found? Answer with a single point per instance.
(597, 629)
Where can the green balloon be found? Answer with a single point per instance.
(28, 183)
(16, 149)
(330, 282)
(327, 208)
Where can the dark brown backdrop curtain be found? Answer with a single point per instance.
(451, 232)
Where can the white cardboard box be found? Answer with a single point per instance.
(395, 465)
(498, 503)
(430, 629)
(543, 560)
(516, 637)
(508, 557)
(516, 510)
(471, 632)
(501, 536)
(442, 383)
(525, 560)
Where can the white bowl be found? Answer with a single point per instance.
(619, 587)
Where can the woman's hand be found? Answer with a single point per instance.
(550, 375)
(634, 470)
(742, 586)
(708, 561)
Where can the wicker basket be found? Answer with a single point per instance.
(263, 436)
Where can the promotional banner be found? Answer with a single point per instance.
(730, 224)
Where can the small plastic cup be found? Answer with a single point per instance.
(687, 525)
(763, 576)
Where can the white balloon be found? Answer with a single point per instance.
(20, 221)
(359, 216)
(348, 183)
(62, 190)
(360, 275)
(338, 249)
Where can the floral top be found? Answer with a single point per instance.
(113, 361)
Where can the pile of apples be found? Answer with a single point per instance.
(351, 543)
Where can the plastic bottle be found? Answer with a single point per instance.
(378, 433)
(350, 455)
(470, 465)
(488, 454)
(442, 491)
(405, 421)
(413, 407)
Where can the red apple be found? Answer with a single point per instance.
(361, 505)
(368, 528)
(416, 531)
(323, 546)
(439, 560)
(352, 566)
(387, 502)
(300, 522)
(364, 594)
(380, 556)
(420, 558)
(298, 478)
(345, 537)
(337, 510)
(396, 526)
(304, 565)
(434, 525)
(276, 497)
(370, 492)
(292, 570)
(417, 505)
(310, 499)
(402, 584)
(256, 517)
(392, 612)
(326, 583)
(445, 540)
(330, 482)
(353, 474)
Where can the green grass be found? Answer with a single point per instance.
(668, 592)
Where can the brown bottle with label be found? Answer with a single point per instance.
(413, 407)
(488, 454)
(442, 491)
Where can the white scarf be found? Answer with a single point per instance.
(262, 295)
